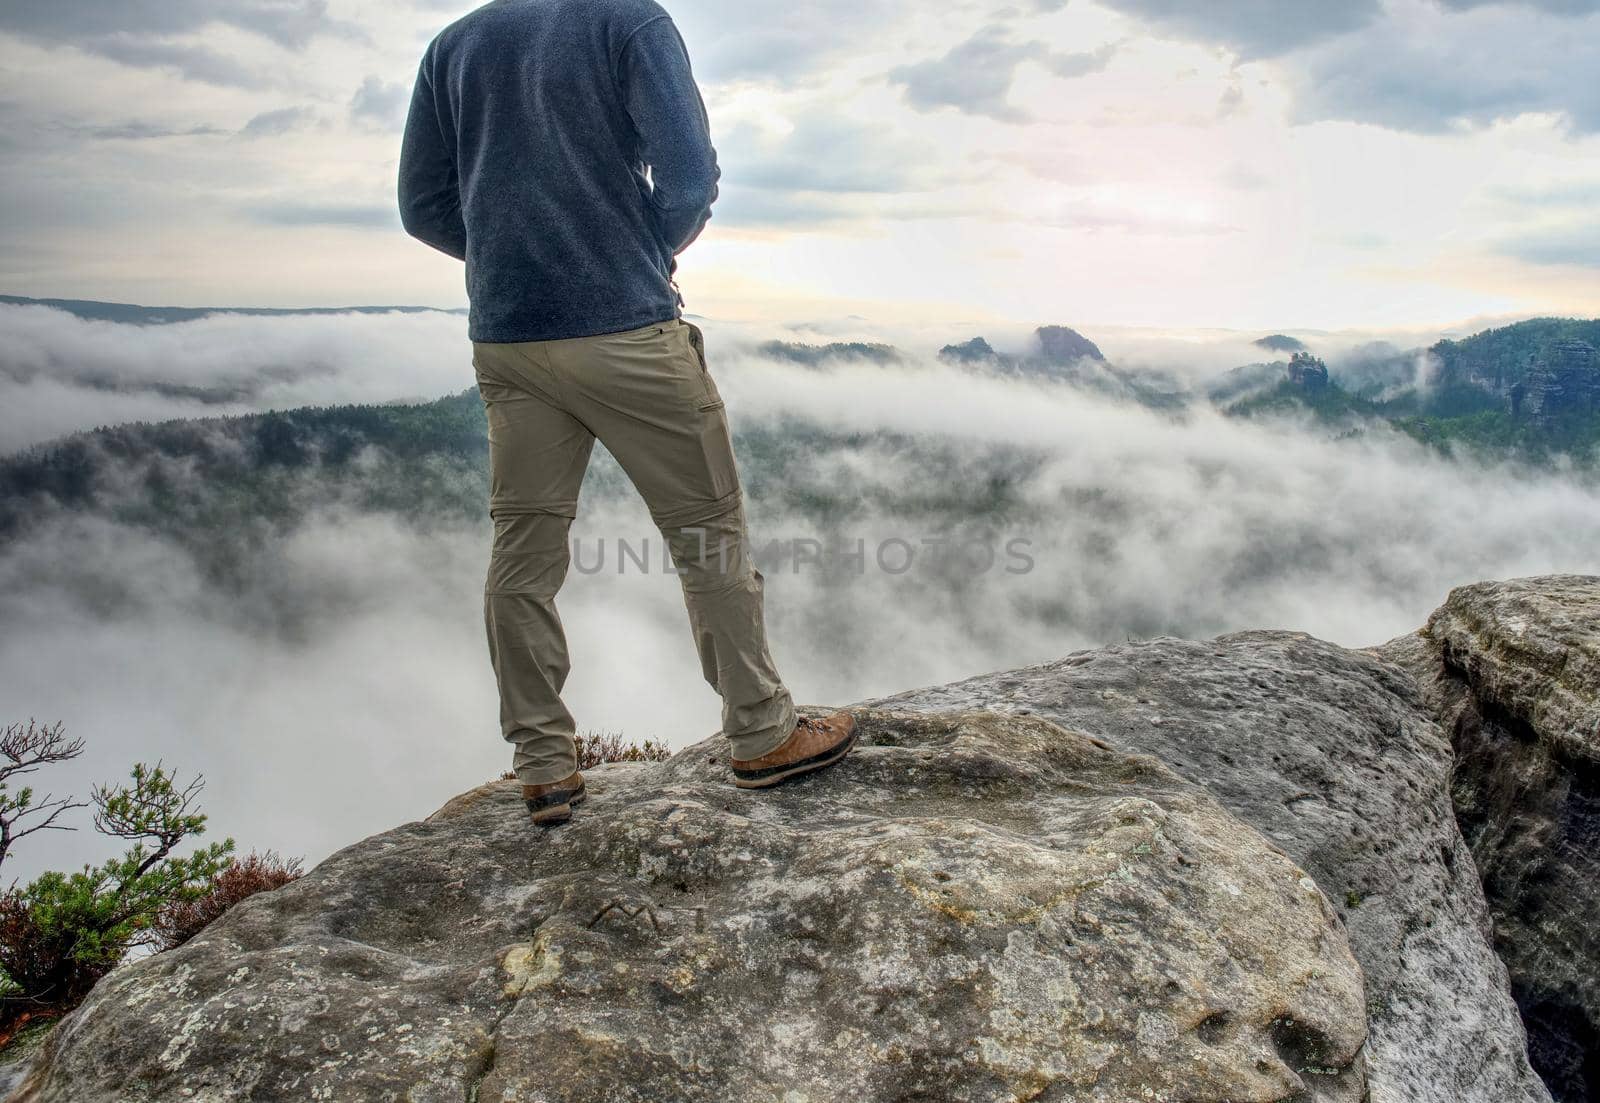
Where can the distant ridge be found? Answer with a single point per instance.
(815, 355)
(1279, 342)
(134, 314)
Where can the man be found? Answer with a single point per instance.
(561, 149)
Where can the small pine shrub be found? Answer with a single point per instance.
(181, 920)
(595, 748)
(62, 932)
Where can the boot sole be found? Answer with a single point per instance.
(556, 814)
(777, 775)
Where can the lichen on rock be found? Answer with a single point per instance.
(972, 907)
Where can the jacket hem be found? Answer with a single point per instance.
(504, 335)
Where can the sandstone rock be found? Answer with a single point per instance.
(972, 907)
(1531, 647)
(1335, 757)
(1513, 670)
(17, 1057)
(1307, 372)
(976, 906)
(1566, 380)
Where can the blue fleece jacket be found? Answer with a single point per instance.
(560, 148)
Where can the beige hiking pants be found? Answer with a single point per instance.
(646, 394)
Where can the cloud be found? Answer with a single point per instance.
(289, 23)
(767, 209)
(139, 130)
(1554, 7)
(380, 103)
(195, 669)
(825, 151)
(1575, 245)
(1231, 100)
(976, 76)
(99, 161)
(60, 373)
(788, 44)
(352, 637)
(1415, 65)
(1556, 192)
(149, 33)
(311, 214)
(270, 124)
(1252, 28)
(827, 169)
(1428, 71)
(1241, 176)
(1068, 66)
(197, 63)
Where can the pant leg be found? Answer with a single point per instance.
(537, 456)
(647, 395)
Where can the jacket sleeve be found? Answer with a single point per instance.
(674, 133)
(430, 192)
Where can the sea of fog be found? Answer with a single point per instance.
(380, 705)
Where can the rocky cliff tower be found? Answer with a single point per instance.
(1308, 372)
(1566, 380)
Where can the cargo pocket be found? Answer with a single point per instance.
(697, 341)
(710, 398)
(716, 444)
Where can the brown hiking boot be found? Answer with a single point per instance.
(551, 804)
(815, 743)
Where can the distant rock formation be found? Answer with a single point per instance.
(975, 351)
(1279, 342)
(1053, 347)
(1307, 372)
(1498, 360)
(1566, 380)
(1513, 668)
(1147, 871)
(1061, 345)
(1063, 355)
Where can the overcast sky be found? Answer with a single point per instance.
(1234, 163)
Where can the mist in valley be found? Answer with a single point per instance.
(333, 680)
